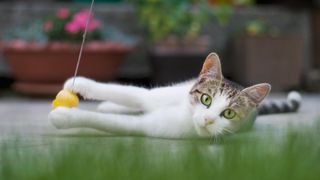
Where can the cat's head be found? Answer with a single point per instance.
(220, 106)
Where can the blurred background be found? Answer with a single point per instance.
(154, 42)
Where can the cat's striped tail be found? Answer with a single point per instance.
(292, 104)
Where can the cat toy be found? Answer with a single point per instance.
(67, 98)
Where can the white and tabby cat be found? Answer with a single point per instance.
(208, 107)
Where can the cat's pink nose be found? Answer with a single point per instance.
(208, 121)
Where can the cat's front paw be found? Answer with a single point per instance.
(61, 117)
(80, 85)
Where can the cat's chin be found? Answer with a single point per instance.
(203, 132)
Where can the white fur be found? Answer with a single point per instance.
(130, 96)
(109, 107)
(160, 112)
(201, 113)
(165, 111)
(294, 96)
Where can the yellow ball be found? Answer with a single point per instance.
(65, 98)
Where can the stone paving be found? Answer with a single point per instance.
(28, 117)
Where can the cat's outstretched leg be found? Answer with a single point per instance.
(65, 118)
(170, 125)
(109, 107)
(130, 96)
(138, 98)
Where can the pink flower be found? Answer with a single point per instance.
(72, 28)
(81, 19)
(93, 25)
(47, 26)
(63, 13)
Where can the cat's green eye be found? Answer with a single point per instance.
(206, 100)
(229, 114)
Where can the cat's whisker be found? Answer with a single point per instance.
(219, 131)
(215, 138)
(218, 139)
(212, 141)
(228, 130)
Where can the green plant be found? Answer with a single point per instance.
(259, 27)
(256, 27)
(65, 26)
(182, 19)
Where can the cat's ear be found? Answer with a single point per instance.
(211, 67)
(257, 92)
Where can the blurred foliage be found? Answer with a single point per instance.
(256, 27)
(28, 32)
(52, 28)
(292, 153)
(233, 2)
(180, 18)
(259, 27)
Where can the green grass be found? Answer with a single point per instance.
(293, 154)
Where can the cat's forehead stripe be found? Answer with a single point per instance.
(229, 89)
(215, 87)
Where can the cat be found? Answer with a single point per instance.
(207, 107)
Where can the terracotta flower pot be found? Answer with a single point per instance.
(42, 69)
(273, 59)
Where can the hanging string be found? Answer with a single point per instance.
(82, 43)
